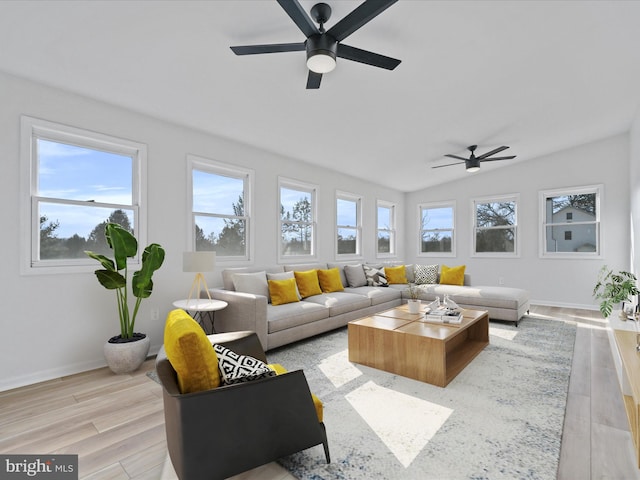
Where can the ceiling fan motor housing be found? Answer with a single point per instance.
(321, 44)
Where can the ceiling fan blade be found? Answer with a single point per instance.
(492, 152)
(313, 80)
(448, 165)
(364, 56)
(271, 48)
(456, 157)
(497, 158)
(299, 17)
(357, 18)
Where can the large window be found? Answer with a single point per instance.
(386, 238)
(348, 224)
(570, 220)
(437, 229)
(221, 204)
(495, 226)
(297, 219)
(76, 181)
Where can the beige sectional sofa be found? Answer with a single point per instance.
(246, 292)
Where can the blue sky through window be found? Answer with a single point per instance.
(70, 172)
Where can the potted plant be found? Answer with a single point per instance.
(613, 288)
(414, 300)
(126, 352)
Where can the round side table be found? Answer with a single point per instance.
(199, 308)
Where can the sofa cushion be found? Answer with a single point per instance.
(228, 273)
(396, 275)
(283, 291)
(255, 283)
(426, 274)
(355, 275)
(375, 276)
(290, 315)
(330, 280)
(377, 295)
(236, 368)
(308, 283)
(340, 302)
(190, 353)
(452, 275)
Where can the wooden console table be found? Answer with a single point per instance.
(629, 376)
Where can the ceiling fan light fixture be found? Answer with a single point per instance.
(321, 53)
(321, 62)
(473, 165)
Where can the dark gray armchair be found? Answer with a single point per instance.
(218, 433)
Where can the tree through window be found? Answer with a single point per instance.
(297, 204)
(496, 226)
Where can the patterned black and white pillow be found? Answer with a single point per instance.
(426, 274)
(375, 276)
(236, 368)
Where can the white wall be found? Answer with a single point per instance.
(550, 281)
(54, 325)
(634, 186)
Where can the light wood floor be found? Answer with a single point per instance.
(115, 422)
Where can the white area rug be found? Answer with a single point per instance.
(501, 418)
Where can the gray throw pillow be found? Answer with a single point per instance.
(355, 275)
(255, 283)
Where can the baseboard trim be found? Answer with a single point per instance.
(57, 373)
(549, 303)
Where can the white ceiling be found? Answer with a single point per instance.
(538, 76)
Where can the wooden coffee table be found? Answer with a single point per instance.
(403, 343)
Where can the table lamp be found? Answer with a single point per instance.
(198, 262)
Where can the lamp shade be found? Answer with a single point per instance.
(198, 261)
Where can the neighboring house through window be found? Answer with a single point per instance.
(495, 226)
(74, 182)
(386, 231)
(220, 210)
(570, 222)
(437, 229)
(348, 224)
(297, 205)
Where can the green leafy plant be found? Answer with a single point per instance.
(414, 291)
(124, 245)
(613, 288)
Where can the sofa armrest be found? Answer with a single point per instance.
(245, 311)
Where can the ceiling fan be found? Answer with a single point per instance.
(472, 163)
(324, 46)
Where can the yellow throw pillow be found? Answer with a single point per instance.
(330, 280)
(190, 353)
(308, 283)
(452, 275)
(396, 274)
(283, 291)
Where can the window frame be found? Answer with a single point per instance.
(392, 253)
(213, 167)
(437, 205)
(31, 130)
(312, 189)
(598, 190)
(357, 199)
(514, 197)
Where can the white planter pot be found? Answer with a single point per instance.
(126, 357)
(414, 306)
